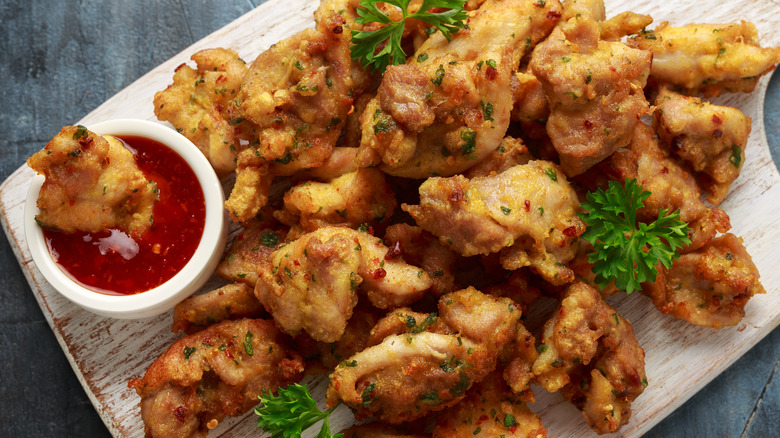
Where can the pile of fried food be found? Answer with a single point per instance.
(488, 142)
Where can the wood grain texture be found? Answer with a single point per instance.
(108, 352)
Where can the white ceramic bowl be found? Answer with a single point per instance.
(187, 281)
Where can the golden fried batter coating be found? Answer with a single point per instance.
(92, 184)
(421, 248)
(590, 353)
(518, 359)
(671, 186)
(625, 23)
(705, 228)
(530, 105)
(339, 163)
(350, 200)
(707, 58)
(489, 410)
(250, 252)
(708, 287)
(578, 8)
(405, 320)
(509, 153)
(232, 301)
(594, 90)
(315, 280)
(709, 138)
(485, 319)
(197, 105)
(528, 212)
(298, 94)
(250, 192)
(447, 108)
(218, 372)
(409, 375)
(519, 356)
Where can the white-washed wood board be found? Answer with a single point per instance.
(681, 359)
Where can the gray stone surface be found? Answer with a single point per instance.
(64, 58)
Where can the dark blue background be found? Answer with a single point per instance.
(61, 59)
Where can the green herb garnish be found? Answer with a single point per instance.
(365, 48)
(625, 251)
(291, 412)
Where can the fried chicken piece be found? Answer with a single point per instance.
(518, 359)
(92, 184)
(528, 212)
(613, 29)
(298, 94)
(250, 252)
(447, 108)
(579, 8)
(420, 248)
(509, 153)
(625, 23)
(350, 200)
(594, 90)
(709, 138)
(339, 163)
(218, 372)
(231, 301)
(405, 320)
(707, 58)
(622, 24)
(672, 187)
(519, 356)
(197, 102)
(590, 353)
(530, 105)
(708, 287)
(488, 320)
(250, 192)
(409, 375)
(518, 353)
(705, 228)
(315, 280)
(490, 409)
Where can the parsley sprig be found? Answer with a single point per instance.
(291, 412)
(366, 43)
(625, 251)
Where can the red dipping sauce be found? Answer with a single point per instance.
(179, 217)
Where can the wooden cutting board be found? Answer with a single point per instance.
(681, 358)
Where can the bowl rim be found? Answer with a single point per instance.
(191, 277)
